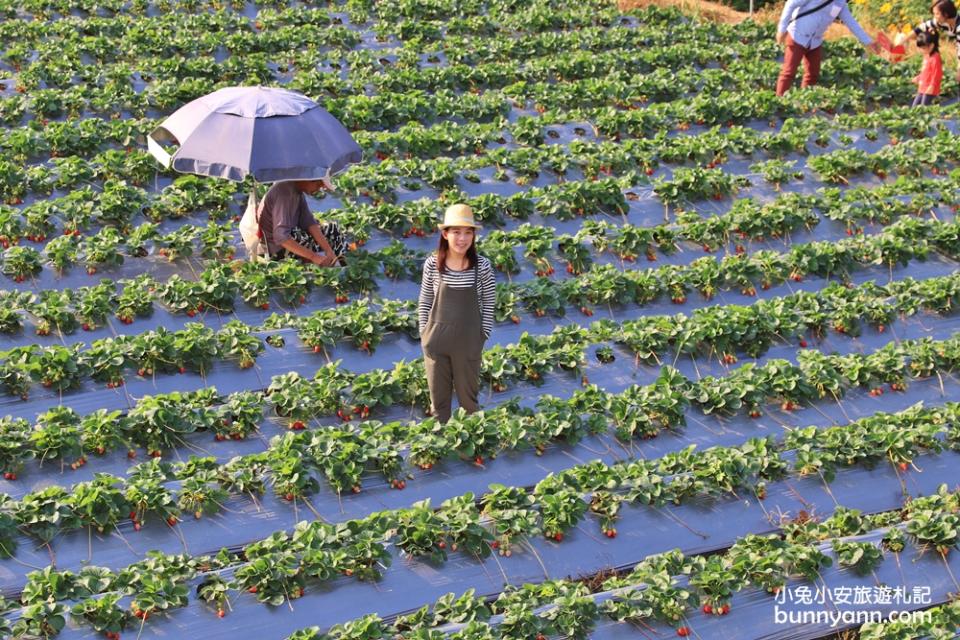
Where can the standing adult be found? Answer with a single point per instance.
(457, 298)
(802, 27)
(289, 227)
(945, 20)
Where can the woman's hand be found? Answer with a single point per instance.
(781, 38)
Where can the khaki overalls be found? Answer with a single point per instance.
(452, 344)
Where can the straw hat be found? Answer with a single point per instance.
(458, 215)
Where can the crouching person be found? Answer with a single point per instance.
(289, 228)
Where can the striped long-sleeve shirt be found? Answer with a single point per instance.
(933, 25)
(486, 288)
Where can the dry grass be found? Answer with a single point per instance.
(716, 12)
(702, 10)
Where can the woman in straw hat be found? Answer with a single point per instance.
(457, 297)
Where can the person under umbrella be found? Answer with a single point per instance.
(271, 135)
(289, 228)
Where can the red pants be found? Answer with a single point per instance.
(792, 56)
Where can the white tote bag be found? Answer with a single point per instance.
(250, 230)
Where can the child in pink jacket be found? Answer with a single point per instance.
(928, 81)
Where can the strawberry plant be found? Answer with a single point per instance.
(461, 522)
(420, 532)
(46, 513)
(161, 422)
(181, 296)
(15, 434)
(94, 304)
(214, 591)
(41, 620)
(135, 299)
(200, 494)
(103, 431)
(512, 512)
(104, 614)
(61, 368)
(21, 263)
(62, 252)
(100, 503)
(862, 557)
(57, 436)
(147, 494)
(156, 593)
(255, 286)
(54, 311)
(240, 415)
(341, 457)
(561, 506)
(196, 347)
(271, 576)
(102, 250)
(289, 281)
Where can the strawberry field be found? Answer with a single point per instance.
(723, 369)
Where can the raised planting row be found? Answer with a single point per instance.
(218, 285)
(667, 587)
(721, 330)
(280, 568)
(344, 456)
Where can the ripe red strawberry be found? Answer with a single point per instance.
(265, 306)
(289, 497)
(221, 613)
(442, 545)
(707, 608)
(172, 520)
(903, 466)
(558, 536)
(803, 343)
(183, 369)
(683, 632)
(725, 609)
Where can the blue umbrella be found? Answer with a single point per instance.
(270, 134)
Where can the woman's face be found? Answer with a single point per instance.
(459, 238)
